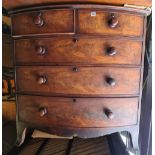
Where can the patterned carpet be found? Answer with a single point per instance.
(94, 146)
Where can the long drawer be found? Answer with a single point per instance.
(68, 80)
(43, 22)
(109, 23)
(77, 112)
(81, 50)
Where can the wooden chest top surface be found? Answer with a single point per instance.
(22, 3)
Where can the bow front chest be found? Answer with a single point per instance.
(79, 69)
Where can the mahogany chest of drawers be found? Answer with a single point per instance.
(79, 69)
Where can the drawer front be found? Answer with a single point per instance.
(86, 51)
(109, 23)
(79, 112)
(44, 22)
(78, 80)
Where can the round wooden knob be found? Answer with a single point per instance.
(113, 21)
(75, 69)
(41, 80)
(38, 20)
(41, 50)
(111, 51)
(111, 81)
(43, 112)
(109, 114)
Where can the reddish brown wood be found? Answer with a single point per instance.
(130, 10)
(121, 24)
(83, 51)
(85, 81)
(23, 3)
(85, 112)
(46, 22)
(101, 58)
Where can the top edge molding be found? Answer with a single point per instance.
(122, 9)
(14, 4)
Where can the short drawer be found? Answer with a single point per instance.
(43, 22)
(109, 23)
(79, 112)
(68, 80)
(81, 50)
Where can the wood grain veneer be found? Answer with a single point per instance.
(66, 75)
(85, 81)
(79, 112)
(25, 24)
(78, 51)
(128, 25)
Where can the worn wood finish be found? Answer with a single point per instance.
(45, 21)
(67, 59)
(82, 132)
(125, 24)
(79, 112)
(78, 80)
(125, 9)
(21, 3)
(78, 51)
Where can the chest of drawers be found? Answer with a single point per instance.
(79, 69)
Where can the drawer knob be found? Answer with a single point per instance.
(43, 112)
(109, 114)
(41, 50)
(113, 21)
(75, 69)
(41, 80)
(111, 81)
(38, 20)
(111, 51)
